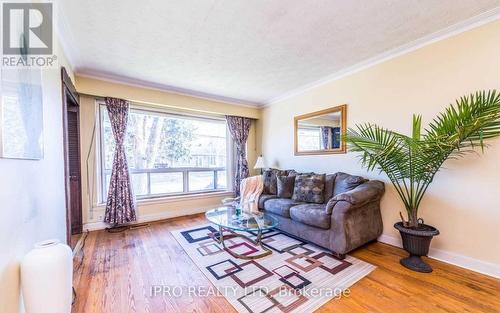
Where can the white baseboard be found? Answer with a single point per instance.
(469, 263)
(152, 217)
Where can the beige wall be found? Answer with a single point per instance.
(463, 201)
(158, 208)
(32, 200)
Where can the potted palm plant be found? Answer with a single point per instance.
(411, 162)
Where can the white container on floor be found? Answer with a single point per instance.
(46, 278)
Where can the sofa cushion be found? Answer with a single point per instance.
(329, 184)
(263, 198)
(345, 182)
(311, 214)
(285, 186)
(280, 206)
(270, 185)
(309, 188)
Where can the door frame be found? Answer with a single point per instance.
(69, 90)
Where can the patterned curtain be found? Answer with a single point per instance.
(239, 128)
(120, 206)
(325, 135)
(336, 137)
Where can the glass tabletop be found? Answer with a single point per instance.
(226, 217)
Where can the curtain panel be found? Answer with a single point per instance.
(120, 205)
(239, 128)
(325, 135)
(330, 137)
(336, 137)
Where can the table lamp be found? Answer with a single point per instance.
(260, 164)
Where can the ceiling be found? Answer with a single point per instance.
(247, 51)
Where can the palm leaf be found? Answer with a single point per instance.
(412, 162)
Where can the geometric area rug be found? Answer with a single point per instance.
(296, 277)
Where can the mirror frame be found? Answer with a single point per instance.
(343, 129)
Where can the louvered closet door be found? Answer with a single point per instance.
(74, 172)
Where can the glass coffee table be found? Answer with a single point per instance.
(226, 218)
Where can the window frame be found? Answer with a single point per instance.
(102, 172)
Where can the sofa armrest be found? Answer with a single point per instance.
(362, 194)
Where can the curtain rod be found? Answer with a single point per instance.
(103, 97)
(90, 95)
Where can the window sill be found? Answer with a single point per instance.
(176, 198)
(186, 197)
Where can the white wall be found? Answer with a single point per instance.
(32, 200)
(463, 201)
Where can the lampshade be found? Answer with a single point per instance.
(260, 162)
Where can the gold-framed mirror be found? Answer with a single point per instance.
(321, 132)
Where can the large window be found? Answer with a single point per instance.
(169, 154)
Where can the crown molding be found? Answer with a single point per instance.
(450, 31)
(165, 88)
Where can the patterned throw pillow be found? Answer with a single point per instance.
(285, 186)
(270, 183)
(309, 188)
(291, 173)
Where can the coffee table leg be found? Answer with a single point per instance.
(221, 235)
(259, 237)
(257, 242)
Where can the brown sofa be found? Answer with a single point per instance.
(348, 218)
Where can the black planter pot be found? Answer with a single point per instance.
(416, 241)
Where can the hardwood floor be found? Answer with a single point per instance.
(119, 269)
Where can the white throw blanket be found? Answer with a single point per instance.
(250, 190)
